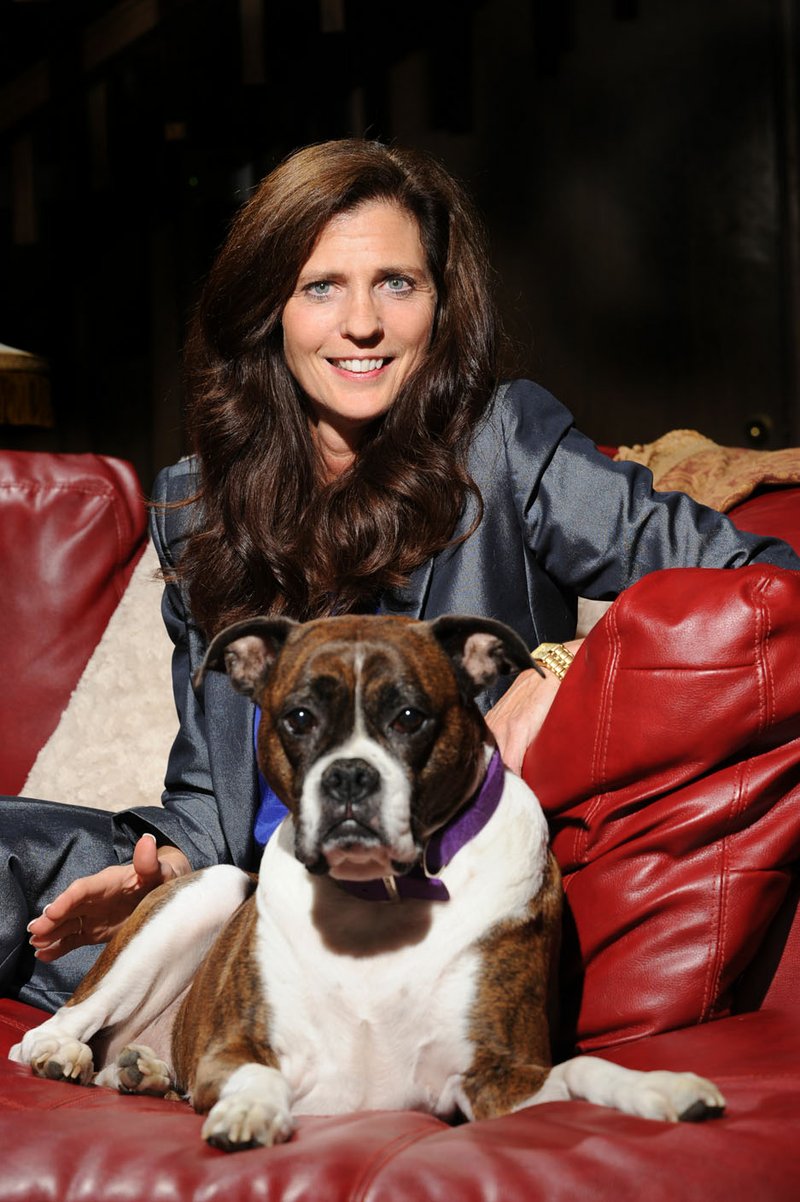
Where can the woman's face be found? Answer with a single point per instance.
(359, 321)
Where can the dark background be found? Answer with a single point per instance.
(635, 160)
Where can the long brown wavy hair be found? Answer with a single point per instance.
(276, 536)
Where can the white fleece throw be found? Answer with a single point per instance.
(109, 750)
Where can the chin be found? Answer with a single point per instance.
(359, 863)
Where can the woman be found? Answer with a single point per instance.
(353, 452)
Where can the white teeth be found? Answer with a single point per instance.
(359, 365)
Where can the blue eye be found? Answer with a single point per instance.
(319, 288)
(398, 283)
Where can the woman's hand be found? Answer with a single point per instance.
(522, 709)
(93, 907)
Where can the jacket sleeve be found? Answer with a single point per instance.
(190, 817)
(597, 526)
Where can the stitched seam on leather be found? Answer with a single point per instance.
(78, 1103)
(601, 1041)
(119, 587)
(765, 689)
(602, 735)
(100, 492)
(759, 673)
(11, 1103)
(719, 942)
(82, 491)
(16, 1024)
(387, 1154)
(766, 684)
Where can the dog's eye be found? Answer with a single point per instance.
(300, 721)
(407, 721)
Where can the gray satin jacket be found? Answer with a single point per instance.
(560, 520)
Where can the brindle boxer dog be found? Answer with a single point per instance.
(398, 948)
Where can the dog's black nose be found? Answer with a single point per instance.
(350, 781)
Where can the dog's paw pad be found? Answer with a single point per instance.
(238, 1122)
(140, 1071)
(63, 1060)
(699, 1111)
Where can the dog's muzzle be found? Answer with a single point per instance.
(350, 796)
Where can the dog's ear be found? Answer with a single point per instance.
(481, 649)
(247, 651)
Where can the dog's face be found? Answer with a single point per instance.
(368, 732)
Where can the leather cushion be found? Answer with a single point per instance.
(669, 768)
(61, 1141)
(771, 511)
(71, 529)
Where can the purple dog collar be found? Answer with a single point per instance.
(443, 845)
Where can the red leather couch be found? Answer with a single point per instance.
(670, 770)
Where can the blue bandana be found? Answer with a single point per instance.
(271, 810)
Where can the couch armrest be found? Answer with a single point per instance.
(71, 530)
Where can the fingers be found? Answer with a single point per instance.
(55, 948)
(60, 912)
(53, 939)
(92, 908)
(145, 859)
(85, 912)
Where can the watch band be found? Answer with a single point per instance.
(554, 656)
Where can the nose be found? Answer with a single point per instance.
(361, 319)
(349, 782)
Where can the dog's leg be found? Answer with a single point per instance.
(510, 1028)
(253, 1102)
(669, 1096)
(147, 964)
(221, 1046)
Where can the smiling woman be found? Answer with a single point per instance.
(358, 323)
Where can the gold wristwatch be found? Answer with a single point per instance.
(554, 656)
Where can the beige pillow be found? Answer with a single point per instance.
(110, 748)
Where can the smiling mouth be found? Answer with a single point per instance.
(359, 367)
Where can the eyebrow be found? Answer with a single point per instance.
(336, 277)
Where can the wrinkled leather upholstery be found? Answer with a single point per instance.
(673, 798)
(71, 530)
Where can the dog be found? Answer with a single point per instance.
(398, 949)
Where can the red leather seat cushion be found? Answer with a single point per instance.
(71, 530)
(669, 767)
(62, 1141)
(771, 511)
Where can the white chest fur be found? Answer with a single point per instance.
(371, 1002)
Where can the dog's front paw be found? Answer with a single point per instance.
(243, 1121)
(672, 1097)
(140, 1071)
(57, 1057)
